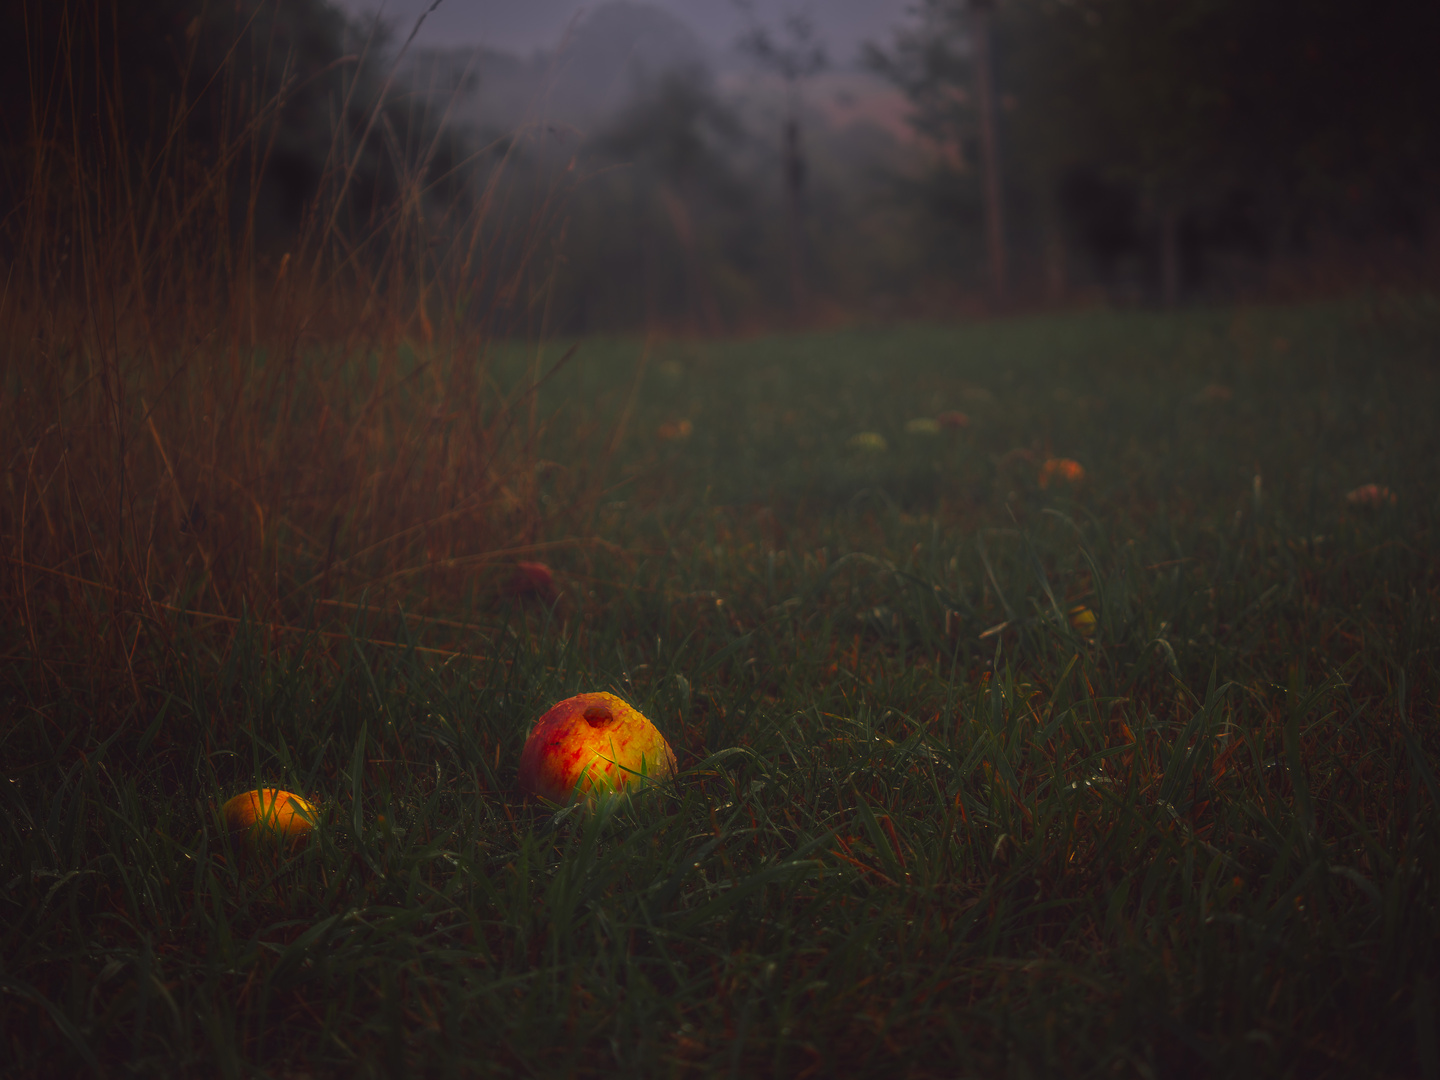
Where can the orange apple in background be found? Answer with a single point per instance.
(953, 420)
(1371, 495)
(1061, 469)
(592, 743)
(269, 814)
(533, 581)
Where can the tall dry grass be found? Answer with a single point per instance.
(200, 430)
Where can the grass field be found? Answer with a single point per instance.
(929, 821)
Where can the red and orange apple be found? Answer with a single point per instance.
(593, 743)
(269, 815)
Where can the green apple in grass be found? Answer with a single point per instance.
(589, 744)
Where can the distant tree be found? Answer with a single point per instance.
(1306, 111)
(945, 66)
(795, 54)
(1290, 118)
(673, 140)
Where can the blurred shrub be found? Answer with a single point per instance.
(281, 95)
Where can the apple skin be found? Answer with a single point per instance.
(269, 814)
(533, 581)
(1083, 620)
(593, 743)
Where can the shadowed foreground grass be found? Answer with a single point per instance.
(929, 821)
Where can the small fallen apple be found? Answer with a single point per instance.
(589, 744)
(952, 420)
(1214, 394)
(533, 581)
(867, 442)
(1061, 469)
(1371, 495)
(268, 815)
(1083, 620)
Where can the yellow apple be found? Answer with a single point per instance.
(268, 815)
(592, 743)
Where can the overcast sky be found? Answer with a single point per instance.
(525, 25)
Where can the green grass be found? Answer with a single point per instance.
(904, 842)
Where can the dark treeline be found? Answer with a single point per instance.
(1145, 151)
(1185, 146)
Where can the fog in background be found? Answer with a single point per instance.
(525, 26)
(705, 166)
(735, 163)
(671, 128)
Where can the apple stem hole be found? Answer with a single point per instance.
(598, 716)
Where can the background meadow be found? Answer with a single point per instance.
(1051, 671)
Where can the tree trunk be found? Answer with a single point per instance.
(989, 145)
(1057, 280)
(704, 312)
(794, 200)
(1169, 255)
